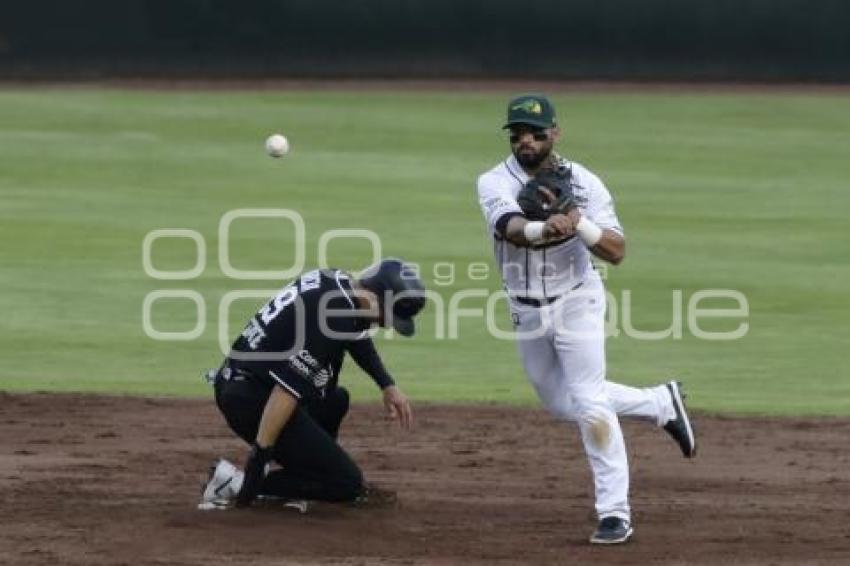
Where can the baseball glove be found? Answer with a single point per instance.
(547, 193)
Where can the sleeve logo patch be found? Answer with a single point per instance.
(494, 205)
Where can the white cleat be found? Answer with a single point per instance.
(222, 487)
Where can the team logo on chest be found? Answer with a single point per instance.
(308, 367)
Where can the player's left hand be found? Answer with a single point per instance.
(398, 406)
(546, 194)
(255, 469)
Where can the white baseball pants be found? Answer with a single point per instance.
(563, 350)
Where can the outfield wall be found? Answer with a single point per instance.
(797, 40)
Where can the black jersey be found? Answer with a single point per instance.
(299, 338)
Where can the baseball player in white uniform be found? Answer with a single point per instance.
(558, 307)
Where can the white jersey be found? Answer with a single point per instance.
(553, 268)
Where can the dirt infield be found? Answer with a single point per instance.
(95, 480)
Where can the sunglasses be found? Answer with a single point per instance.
(538, 135)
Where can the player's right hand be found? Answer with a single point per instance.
(398, 406)
(559, 226)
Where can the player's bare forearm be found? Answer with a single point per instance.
(278, 410)
(514, 232)
(611, 247)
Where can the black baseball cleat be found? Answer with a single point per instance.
(680, 428)
(612, 530)
(374, 496)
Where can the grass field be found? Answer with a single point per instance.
(725, 191)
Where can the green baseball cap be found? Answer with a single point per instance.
(532, 109)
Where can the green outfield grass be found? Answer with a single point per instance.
(726, 191)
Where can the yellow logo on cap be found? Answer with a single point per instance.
(531, 106)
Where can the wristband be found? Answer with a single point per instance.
(589, 232)
(533, 231)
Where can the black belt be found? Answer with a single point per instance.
(536, 302)
(545, 300)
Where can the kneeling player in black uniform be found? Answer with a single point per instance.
(278, 389)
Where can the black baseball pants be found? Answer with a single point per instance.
(314, 466)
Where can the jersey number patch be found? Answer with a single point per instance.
(273, 307)
(254, 333)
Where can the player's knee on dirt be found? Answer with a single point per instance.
(350, 485)
(346, 482)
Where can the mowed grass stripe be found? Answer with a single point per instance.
(725, 191)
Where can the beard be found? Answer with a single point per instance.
(531, 159)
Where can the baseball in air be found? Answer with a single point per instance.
(277, 145)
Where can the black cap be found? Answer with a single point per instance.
(397, 281)
(531, 109)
